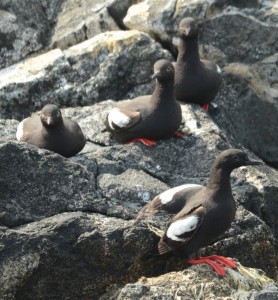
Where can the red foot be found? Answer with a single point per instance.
(145, 141)
(205, 107)
(179, 133)
(229, 263)
(218, 263)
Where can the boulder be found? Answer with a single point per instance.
(51, 185)
(198, 282)
(26, 28)
(31, 27)
(78, 21)
(113, 65)
(247, 110)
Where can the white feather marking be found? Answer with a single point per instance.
(118, 118)
(168, 195)
(218, 69)
(182, 226)
(19, 132)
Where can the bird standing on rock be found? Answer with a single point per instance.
(201, 214)
(196, 81)
(148, 118)
(52, 132)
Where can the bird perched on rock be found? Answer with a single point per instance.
(148, 118)
(52, 132)
(196, 81)
(201, 214)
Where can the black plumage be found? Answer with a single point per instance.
(52, 132)
(201, 214)
(196, 81)
(155, 116)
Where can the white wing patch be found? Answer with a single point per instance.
(19, 132)
(181, 226)
(218, 69)
(118, 118)
(168, 195)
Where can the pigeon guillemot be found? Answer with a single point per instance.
(52, 132)
(202, 214)
(196, 81)
(151, 117)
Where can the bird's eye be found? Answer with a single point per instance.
(236, 157)
(169, 69)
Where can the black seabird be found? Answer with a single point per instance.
(151, 117)
(196, 81)
(52, 132)
(202, 214)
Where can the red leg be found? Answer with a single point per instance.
(145, 141)
(179, 133)
(205, 107)
(219, 269)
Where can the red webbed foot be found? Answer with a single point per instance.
(145, 141)
(227, 262)
(218, 263)
(205, 107)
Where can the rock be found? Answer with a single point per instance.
(113, 65)
(244, 31)
(25, 28)
(82, 20)
(129, 191)
(59, 256)
(197, 282)
(240, 104)
(51, 185)
(31, 26)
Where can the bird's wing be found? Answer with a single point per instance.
(172, 200)
(211, 66)
(181, 229)
(120, 119)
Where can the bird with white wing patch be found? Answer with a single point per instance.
(148, 118)
(201, 214)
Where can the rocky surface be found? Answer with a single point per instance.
(113, 65)
(66, 225)
(178, 285)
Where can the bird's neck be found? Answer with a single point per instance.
(188, 50)
(164, 91)
(219, 179)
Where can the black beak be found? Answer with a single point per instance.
(156, 75)
(252, 162)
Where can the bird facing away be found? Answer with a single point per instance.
(148, 118)
(201, 214)
(196, 81)
(52, 132)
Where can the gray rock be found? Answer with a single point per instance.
(110, 66)
(26, 28)
(129, 191)
(51, 185)
(71, 255)
(197, 282)
(78, 21)
(244, 31)
(248, 114)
